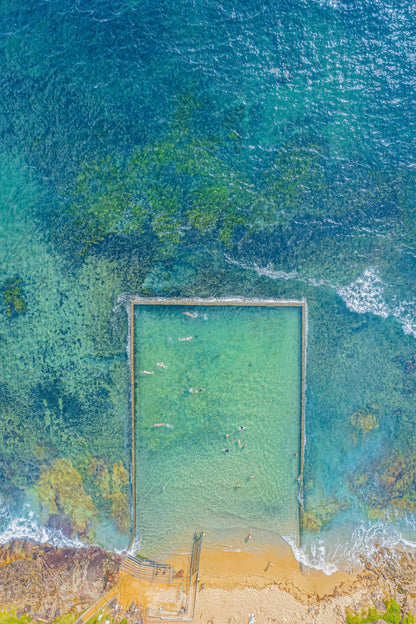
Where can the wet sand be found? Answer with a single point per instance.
(270, 585)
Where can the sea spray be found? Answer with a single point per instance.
(24, 523)
(364, 295)
(346, 547)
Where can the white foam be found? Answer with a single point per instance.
(366, 294)
(135, 547)
(314, 556)
(343, 548)
(27, 525)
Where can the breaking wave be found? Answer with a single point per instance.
(27, 525)
(345, 549)
(369, 293)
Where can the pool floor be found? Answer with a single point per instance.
(218, 424)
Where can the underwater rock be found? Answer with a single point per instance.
(316, 517)
(113, 487)
(388, 484)
(365, 420)
(13, 297)
(61, 492)
(120, 498)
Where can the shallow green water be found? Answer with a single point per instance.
(245, 363)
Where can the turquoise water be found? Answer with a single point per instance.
(242, 368)
(207, 149)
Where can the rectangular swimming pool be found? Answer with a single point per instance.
(218, 422)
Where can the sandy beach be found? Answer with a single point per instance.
(270, 585)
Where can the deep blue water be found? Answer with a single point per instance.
(306, 107)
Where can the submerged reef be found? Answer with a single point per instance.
(364, 420)
(13, 297)
(317, 515)
(113, 488)
(61, 492)
(387, 484)
(66, 505)
(44, 452)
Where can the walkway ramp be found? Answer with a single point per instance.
(97, 606)
(146, 570)
(186, 612)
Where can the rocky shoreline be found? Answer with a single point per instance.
(45, 582)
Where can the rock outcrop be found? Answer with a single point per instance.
(45, 582)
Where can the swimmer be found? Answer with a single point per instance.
(227, 435)
(239, 443)
(238, 486)
(161, 364)
(296, 454)
(249, 536)
(186, 338)
(225, 450)
(191, 314)
(144, 372)
(158, 425)
(193, 391)
(245, 445)
(298, 478)
(163, 488)
(251, 476)
(240, 428)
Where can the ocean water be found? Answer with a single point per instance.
(207, 149)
